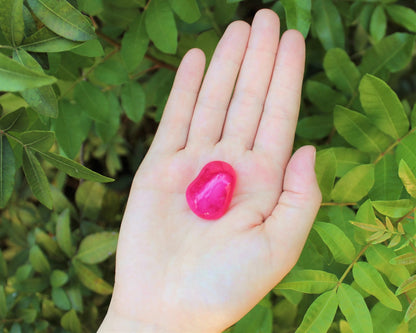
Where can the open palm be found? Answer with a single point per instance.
(177, 272)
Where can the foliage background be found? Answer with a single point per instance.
(83, 84)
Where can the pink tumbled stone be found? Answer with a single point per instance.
(209, 195)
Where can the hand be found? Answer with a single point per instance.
(176, 272)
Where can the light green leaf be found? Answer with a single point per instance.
(392, 53)
(378, 24)
(259, 319)
(394, 208)
(385, 320)
(348, 158)
(372, 282)
(408, 178)
(407, 285)
(379, 257)
(354, 309)
(325, 169)
(16, 77)
(298, 15)
(7, 171)
(134, 43)
(320, 314)
(38, 260)
(406, 151)
(63, 19)
(187, 10)
(89, 198)
(58, 278)
(11, 20)
(63, 233)
(355, 184)
(408, 258)
(411, 311)
(328, 24)
(43, 99)
(38, 140)
(45, 40)
(161, 26)
(338, 243)
(90, 280)
(71, 322)
(36, 178)
(383, 107)
(73, 168)
(60, 299)
(314, 127)
(359, 131)
(92, 100)
(133, 100)
(48, 243)
(97, 247)
(404, 16)
(341, 70)
(308, 281)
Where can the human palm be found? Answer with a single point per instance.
(177, 272)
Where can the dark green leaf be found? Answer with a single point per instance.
(18, 118)
(16, 77)
(133, 101)
(89, 198)
(97, 247)
(308, 281)
(187, 10)
(92, 100)
(90, 280)
(314, 127)
(259, 319)
(111, 72)
(161, 26)
(36, 178)
(90, 48)
(63, 19)
(11, 20)
(404, 16)
(39, 261)
(38, 140)
(320, 314)
(63, 233)
(60, 298)
(3, 303)
(45, 40)
(354, 309)
(7, 171)
(91, 7)
(298, 15)
(324, 97)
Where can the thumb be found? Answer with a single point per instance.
(289, 225)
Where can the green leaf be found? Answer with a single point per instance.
(404, 259)
(63, 19)
(372, 282)
(71, 322)
(43, 99)
(11, 20)
(45, 40)
(298, 15)
(89, 198)
(354, 309)
(341, 70)
(111, 72)
(394, 208)
(406, 151)
(404, 16)
(328, 24)
(90, 48)
(73, 168)
(48, 243)
(323, 96)
(7, 171)
(392, 53)
(3, 303)
(90, 280)
(378, 24)
(379, 257)
(92, 100)
(58, 278)
(91, 7)
(36, 178)
(259, 319)
(314, 127)
(355, 184)
(408, 178)
(60, 299)
(38, 260)
(411, 311)
(320, 313)
(407, 285)
(133, 100)
(325, 169)
(348, 158)
(187, 10)
(97, 247)
(18, 118)
(63, 233)
(338, 243)
(16, 77)
(383, 107)
(134, 43)
(359, 131)
(161, 26)
(38, 140)
(308, 281)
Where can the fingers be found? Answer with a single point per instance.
(215, 94)
(276, 130)
(289, 225)
(247, 103)
(174, 125)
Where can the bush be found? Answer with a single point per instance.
(84, 85)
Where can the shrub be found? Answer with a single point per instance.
(83, 87)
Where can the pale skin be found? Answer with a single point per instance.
(176, 272)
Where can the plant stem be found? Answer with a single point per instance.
(352, 264)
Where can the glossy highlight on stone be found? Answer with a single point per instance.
(210, 194)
